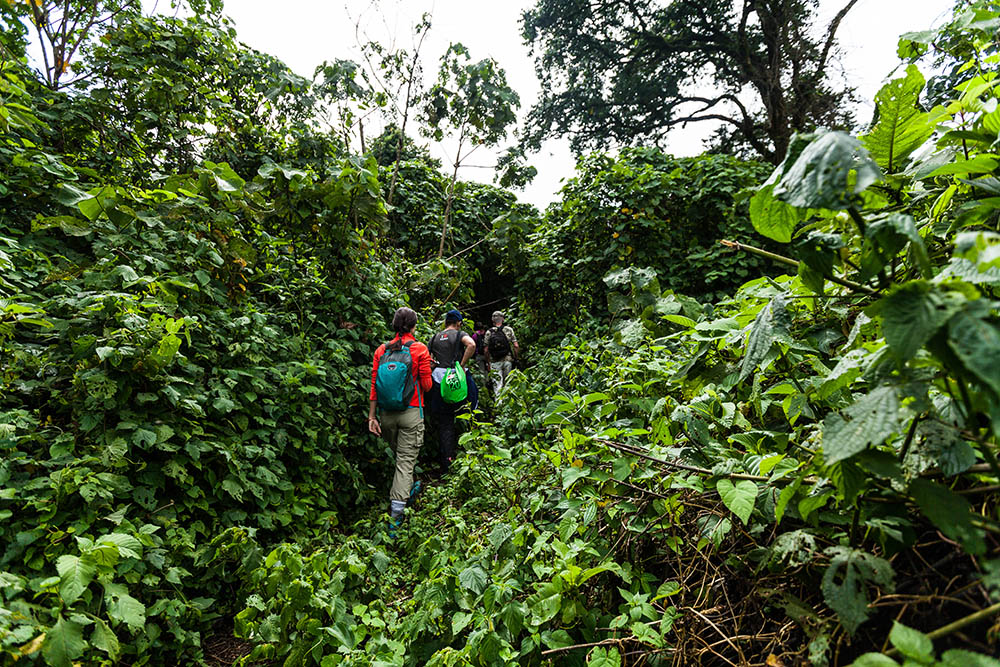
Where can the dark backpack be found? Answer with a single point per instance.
(499, 345)
(394, 383)
(457, 349)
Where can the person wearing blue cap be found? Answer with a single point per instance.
(448, 346)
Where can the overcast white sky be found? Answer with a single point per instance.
(304, 33)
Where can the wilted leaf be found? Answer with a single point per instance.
(950, 512)
(846, 580)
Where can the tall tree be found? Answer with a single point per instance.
(630, 71)
(165, 93)
(63, 27)
(398, 75)
(472, 102)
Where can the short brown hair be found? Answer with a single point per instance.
(404, 320)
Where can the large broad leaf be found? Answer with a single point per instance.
(126, 609)
(772, 217)
(104, 639)
(902, 126)
(459, 622)
(600, 657)
(771, 323)
(70, 225)
(63, 643)
(820, 252)
(128, 546)
(546, 602)
(981, 164)
(912, 314)
(885, 237)
(949, 512)
(75, 574)
(846, 580)
(473, 578)
(869, 421)
(912, 643)
(945, 445)
(820, 177)
(512, 616)
(957, 657)
(874, 660)
(977, 343)
(980, 248)
(738, 497)
(226, 179)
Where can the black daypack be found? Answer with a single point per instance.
(499, 345)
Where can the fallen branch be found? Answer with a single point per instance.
(628, 449)
(788, 261)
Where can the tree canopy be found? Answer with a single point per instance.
(629, 72)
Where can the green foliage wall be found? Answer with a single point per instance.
(643, 209)
(183, 367)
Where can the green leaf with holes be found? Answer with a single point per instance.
(902, 125)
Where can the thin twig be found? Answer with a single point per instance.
(567, 649)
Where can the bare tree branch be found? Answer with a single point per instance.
(831, 34)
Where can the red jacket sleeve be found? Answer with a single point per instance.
(378, 355)
(423, 369)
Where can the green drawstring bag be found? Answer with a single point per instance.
(454, 386)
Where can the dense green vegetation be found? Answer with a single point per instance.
(709, 461)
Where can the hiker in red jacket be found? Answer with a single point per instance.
(401, 401)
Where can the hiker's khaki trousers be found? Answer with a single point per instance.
(405, 432)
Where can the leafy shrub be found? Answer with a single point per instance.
(642, 209)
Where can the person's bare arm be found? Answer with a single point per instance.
(373, 424)
(470, 350)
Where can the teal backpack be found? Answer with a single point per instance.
(394, 385)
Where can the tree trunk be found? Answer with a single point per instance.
(451, 192)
